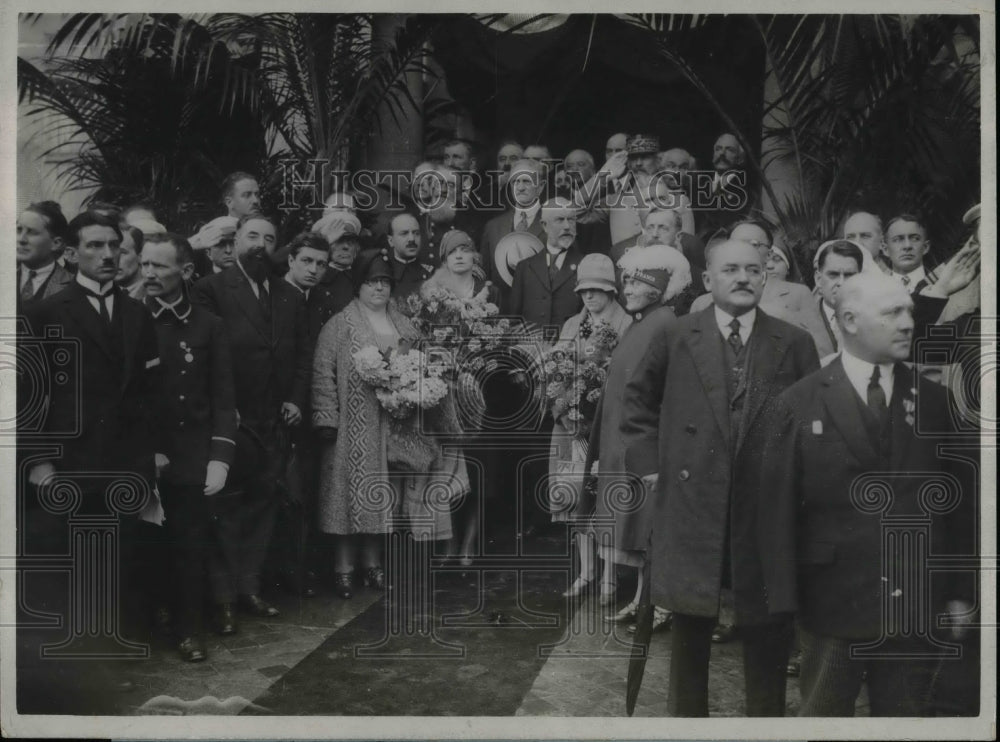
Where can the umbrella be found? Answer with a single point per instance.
(640, 646)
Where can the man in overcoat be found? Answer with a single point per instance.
(850, 449)
(690, 426)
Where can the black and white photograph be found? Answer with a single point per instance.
(429, 372)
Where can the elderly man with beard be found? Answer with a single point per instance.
(543, 292)
(265, 320)
(690, 428)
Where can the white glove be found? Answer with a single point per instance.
(215, 477)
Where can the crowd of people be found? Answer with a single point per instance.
(705, 413)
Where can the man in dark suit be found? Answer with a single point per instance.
(265, 320)
(196, 417)
(543, 292)
(526, 185)
(101, 417)
(41, 230)
(337, 290)
(844, 459)
(906, 244)
(691, 429)
(408, 270)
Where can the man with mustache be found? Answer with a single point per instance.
(196, 412)
(448, 205)
(265, 320)
(100, 414)
(690, 428)
(864, 427)
(404, 240)
(543, 292)
(730, 195)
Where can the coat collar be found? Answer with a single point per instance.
(178, 311)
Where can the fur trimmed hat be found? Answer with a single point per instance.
(660, 266)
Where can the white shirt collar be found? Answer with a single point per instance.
(404, 261)
(859, 373)
(746, 320)
(89, 283)
(41, 274)
(529, 213)
(915, 276)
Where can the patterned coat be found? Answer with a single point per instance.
(562, 460)
(356, 494)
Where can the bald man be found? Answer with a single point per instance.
(865, 228)
(837, 441)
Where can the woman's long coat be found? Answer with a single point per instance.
(356, 495)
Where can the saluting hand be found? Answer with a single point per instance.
(290, 413)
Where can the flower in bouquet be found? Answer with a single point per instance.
(403, 381)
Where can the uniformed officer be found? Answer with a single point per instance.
(404, 246)
(196, 417)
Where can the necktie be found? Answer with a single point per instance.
(876, 397)
(264, 297)
(102, 304)
(734, 339)
(905, 280)
(553, 264)
(28, 289)
(522, 223)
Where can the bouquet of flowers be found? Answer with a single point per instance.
(404, 382)
(469, 330)
(571, 382)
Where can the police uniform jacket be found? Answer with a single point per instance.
(409, 277)
(195, 409)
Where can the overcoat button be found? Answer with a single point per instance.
(684, 475)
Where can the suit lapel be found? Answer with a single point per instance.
(247, 300)
(90, 320)
(903, 386)
(843, 406)
(131, 318)
(539, 265)
(706, 349)
(767, 351)
(567, 270)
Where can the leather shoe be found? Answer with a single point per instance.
(257, 606)
(343, 585)
(724, 633)
(225, 619)
(192, 649)
(577, 588)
